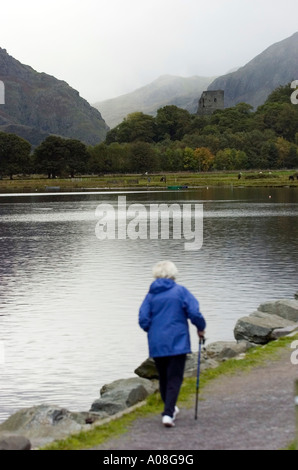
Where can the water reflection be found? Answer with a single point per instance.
(69, 302)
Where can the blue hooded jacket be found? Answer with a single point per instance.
(164, 315)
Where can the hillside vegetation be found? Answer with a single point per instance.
(236, 138)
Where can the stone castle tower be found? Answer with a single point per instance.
(210, 101)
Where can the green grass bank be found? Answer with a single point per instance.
(41, 184)
(257, 356)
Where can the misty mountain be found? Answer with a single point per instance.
(166, 90)
(37, 105)
(277, 65)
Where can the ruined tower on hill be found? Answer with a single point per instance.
(210, 101)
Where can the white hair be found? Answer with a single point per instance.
(165, 269)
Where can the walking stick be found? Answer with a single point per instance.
(202, 341)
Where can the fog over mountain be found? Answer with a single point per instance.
(166, 90)
(252, 83)
(277, 65)
(38, 104)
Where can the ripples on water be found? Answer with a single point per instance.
(69, 302)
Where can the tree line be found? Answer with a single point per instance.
(235, 138)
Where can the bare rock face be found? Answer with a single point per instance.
(38, 105)
(258, 78)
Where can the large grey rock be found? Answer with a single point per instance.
(122, 394)
(222, 350)
(258, 327)
(280, 332)
(284, 308)
(45, 423)
(147, 369)
(191, 365)
(296, 295)
(15, 443)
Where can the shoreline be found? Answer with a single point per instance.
(132, 189)
(273, 325)
(133, 182)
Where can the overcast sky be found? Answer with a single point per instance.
(105, 48)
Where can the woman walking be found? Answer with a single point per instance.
(164, 315)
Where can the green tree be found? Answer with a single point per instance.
(236, 119)
(172, 122)
(213, 142)
(223, 160)
(14, 155)
(197, 123)
(76, 156)
(119, 157)
(51, 156)
(98, 159)
(233, 140)
(204, 158)
(252, 145)
(112, 135)
(230, 159)
(200, 159)
(113, 158)
(189, 160)
(269, 155)
(211, 130)
(282, 118)
(283, 149)
(281, 94)
(143, 157)
(135, 127)
(170, 157)
(291, 160)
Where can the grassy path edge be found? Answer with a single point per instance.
(257, 356)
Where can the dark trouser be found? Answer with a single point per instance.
(170, 370)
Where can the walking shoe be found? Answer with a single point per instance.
(176, 412)
(168, 422)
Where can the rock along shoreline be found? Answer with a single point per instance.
(39, 425)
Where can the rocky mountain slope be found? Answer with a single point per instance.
(166, 90)
(37, 105)
(277, 65)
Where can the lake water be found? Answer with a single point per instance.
(69, 302)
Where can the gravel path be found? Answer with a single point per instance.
(248, 411)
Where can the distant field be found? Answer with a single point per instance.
(192, 180)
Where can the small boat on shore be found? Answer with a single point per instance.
(178, 187)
